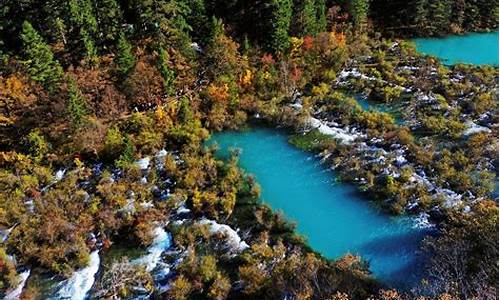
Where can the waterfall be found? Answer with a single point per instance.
(16, 293)
(161, 242)
(78, 285)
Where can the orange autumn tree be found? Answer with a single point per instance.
(228, 72)
(13, 97)
(20, 100)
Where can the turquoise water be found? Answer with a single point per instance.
(367, 104)
(473, 48)
(334, 217)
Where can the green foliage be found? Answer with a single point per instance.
(42, 66)
(305, 18)
(279, 24)
(185, 114)
(311, 141)
(83, 27)
(439, 12)
(8, 274)
(76, 107)
(38, 146)
(309, 17)
(219, 90)
(164, 21)
(488, 11)
(359, 11)
(434, 17)
(321, 22)
(180, 288)
(166, 72)
(198, 20)
(208, 267)
(217, 29)
(113, 143)
(109, 19)
(127, 155)
(125, 59)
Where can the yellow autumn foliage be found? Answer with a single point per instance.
(219, 93)
(246, 79)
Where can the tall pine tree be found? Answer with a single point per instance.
(281, 15)
(83, 27)
(440, 14)
(164, 21)
(42, 66)
(166, 72)
(198, 20)
(420, 13)
(321, 15)
(305, 19)
(76, 107)
(488, 9)
(359, 12)
(109, 19)
(125, 59)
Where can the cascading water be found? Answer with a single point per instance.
(16, 293)
(152, 260)
(161, 242)
(78, 285)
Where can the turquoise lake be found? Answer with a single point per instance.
(334, 217)
(473, 48)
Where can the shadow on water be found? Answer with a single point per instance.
(341, 219)
(393, 247)
(387, 246)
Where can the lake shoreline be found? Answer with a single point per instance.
(447, 47)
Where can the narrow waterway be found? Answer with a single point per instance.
(367, 104)
(334, 217)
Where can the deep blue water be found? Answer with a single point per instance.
(333, 216)
(473, 48)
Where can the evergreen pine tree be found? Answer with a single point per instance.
(458, 13)
(217, 28)
(164, 21)
(440, 14)
(488, 10)
(472, 17)
(281, 15)
(166, 72)
(54, 14)
(420, 14)
(83, 27)
(42, 66)
(198, 20)
(125, 59)
(109, 18)
(76, 107)
(127, 156)
(359, 12)
(38, 146)
(246, 45)
(321, 15)
(305, 18)
(185, 114)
